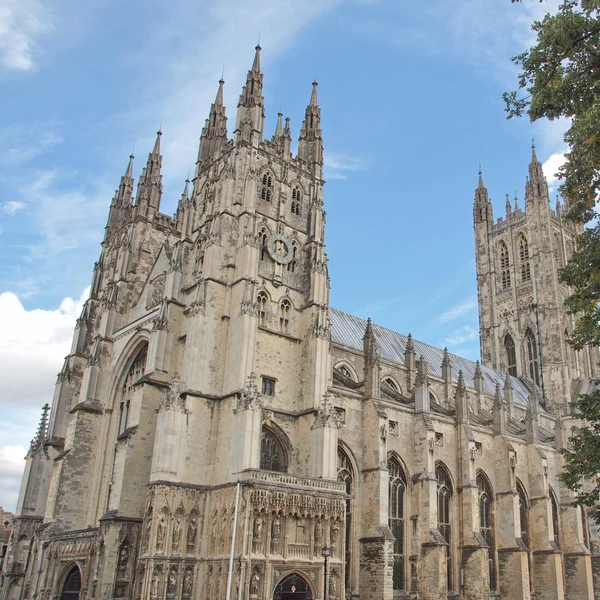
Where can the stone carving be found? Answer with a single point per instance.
(176, 537)
(254, 582)
(172, 582)
(161, 531)
(275, 534)
(155, 583)
(192, 531)
(188, 581)
(334, 534)
(327, 416)
(333, 584)
(158, 291)
(318, 533)
(257, 537)
(173, 396)
(123, 559)
(250, 398)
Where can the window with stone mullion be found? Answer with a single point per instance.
(444, 496)
(486, 526)
(397, 494)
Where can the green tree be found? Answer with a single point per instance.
(560, 77)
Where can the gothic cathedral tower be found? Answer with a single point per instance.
(523, 325)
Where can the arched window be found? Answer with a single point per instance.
(504, 266)
(486, 524)
(267, 187)
(555, 520)
(523, 514)
(262, 301)
(291, 266)
(510, 355)
(296, 201)
(272, 455)
(345, 473)
(284, 315)
(344, 370)
(532, 357)
(397, 522)
(444, 497)
(72, 585)
(391, 383)
(263, 236)
(524, 256)
(136, 370)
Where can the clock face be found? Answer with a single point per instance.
(280, 248)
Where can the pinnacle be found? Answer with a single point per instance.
(156, 149)
(313, 97)
(534, 158)
(219, 97)
(279, 128)
(256, 63)
(129, 171)
(480, 184)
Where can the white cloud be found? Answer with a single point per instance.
(458, 310)
(462, 335)
(11, 207)
(12, 464)
(33, 338)
(22, 143)
(550, 167)
(22, 22)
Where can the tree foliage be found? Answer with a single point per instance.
(560, 77)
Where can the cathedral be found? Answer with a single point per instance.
(219, 432)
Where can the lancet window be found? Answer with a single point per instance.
(272, 454)
(444, 498)
(296, 201)
(262, 302)
(267, 187)
(524, 256)
(397, 521)
(532, 357)
(284, 315)
(523, 514)
(510, 355)
(504, 266)
(136, 370)
(345, 473)
(486, 524)
(389, 381)
(291, 266)
(262, 240)
(555, 521)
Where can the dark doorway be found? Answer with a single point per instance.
(72, 585)
(293, 587)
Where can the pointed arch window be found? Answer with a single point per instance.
(296, 201)
(444, 499)
(504, 266)
(532, 357)
(397, 521)
(263, 236)
(345, 473)
(555, 519)
(262, 302)
(523, 514)
(285, 309)
(272, 454)
(291, 266)
(486, 524)
(136, 370)
(267, 187)
(510, 355)
(524, 257)
(344, 370)
(389, 381)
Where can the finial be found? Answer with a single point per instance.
(133, 150)
(533, 143)
(222, 74)
(160, 127)
(258, 42)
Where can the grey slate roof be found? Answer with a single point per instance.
(348, 330)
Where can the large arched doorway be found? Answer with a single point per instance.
(72, 585)
(293, 587)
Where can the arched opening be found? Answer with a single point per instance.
(397, 521)
(510, 355)
(532, 357)
(486, 524)
(504, 266)
(524, 526)
(72, 585)
(555, 518)
(345, 473)
(524, 255)
(136, 370)
(272, 453)
(444, 498)
(293, 587)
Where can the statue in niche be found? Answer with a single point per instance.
(334, 534)
(333, 585)
(155, 581)
(171, 582)
(318, 533)
(146, 539)
(176, 538)
(258, 528)
(209, 583)
(160, 534)
(188, 580)
(275, 534)
(123, 559)
(192, 530)
(254, 583)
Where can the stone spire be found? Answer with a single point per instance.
(279, 127)
(120, 207)
(310, 144)
(149, 192)
(499, 412)
(282, 138)
(214, 132)
(516, 202)
(461, 400)
(536, 186)
(40, 437)
(508, 208)
(372, 364)
(478, 378)
(482, 207)
(251, 107)
(446, 366)
(422, 401)
(185, 195)
(508, 395)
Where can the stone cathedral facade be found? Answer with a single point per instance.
(217, 423)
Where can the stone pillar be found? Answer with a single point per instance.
(324, 434)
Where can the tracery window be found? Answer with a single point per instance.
(284, 315)
(389, 381)
(344, 370)
(555, 521)
(524, 256)
(397, 523)
(296, 201)
(267, 187)
(291, 266)
(136, 370)
(532, 357)
(262, 301)
(262, 240)
(272, 455)
(523, 514)
(345, 473)
(444, 497)
(510, 355)
(486, 525)
(504, 266)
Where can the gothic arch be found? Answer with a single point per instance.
(445, 518)
(70, 582)
(392, 382)
(347, 472)
(398, 512)
(555, 510)
(266, 185)
(487, 522)
(299, 573)
(510, 355)
(504, 260)
(344, 364)
(275, 448)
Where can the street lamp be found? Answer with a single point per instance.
(325, 552)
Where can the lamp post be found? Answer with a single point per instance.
(325, 552)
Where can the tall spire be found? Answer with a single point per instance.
(40, 437)
(120, 207)
(536, 186)
(482, 207)
(310, 146)
(149, 192)
(279, 127)
(251, 107)
(214, 133)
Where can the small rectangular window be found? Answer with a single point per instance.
(268, 386)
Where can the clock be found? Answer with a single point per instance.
(280, 248)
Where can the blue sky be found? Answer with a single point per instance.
(411, 104)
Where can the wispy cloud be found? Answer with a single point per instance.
(462, 335)
(22, 23)
(374, 308)
(337, 166)
(22, 143)
(458, 310)
(11, 207)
